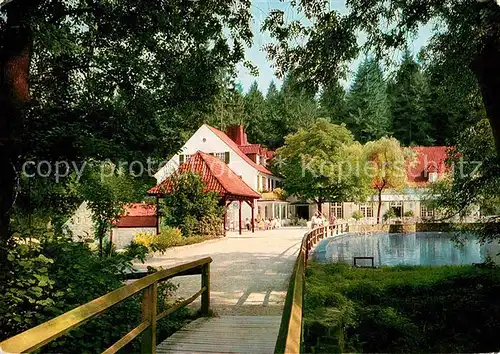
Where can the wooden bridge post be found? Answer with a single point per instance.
(149, 300)
(205, 283)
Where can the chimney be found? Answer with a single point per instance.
(237, 134)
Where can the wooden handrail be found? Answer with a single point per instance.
(290, 332)
(36, 337)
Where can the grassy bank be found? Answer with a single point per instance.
(401, 309)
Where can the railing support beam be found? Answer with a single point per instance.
(205, 283)
(149, 302)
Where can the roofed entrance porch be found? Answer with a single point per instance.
(219, 178)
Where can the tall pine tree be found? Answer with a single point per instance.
(409, 99)
(256, 125)
(368, 104)
(332, 103)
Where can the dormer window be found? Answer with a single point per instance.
(433, 177)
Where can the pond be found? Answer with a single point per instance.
(422, 248)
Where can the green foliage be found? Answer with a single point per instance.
(388, 165)
(408, 214)
(321, 162)
(357, 215)
(189, 208)
(454, 70)
(388, 215)
(108, 80)
(267, 120)
(43, 280)
(409, 98)
(106, 189)
(168, 237)
(401, 309)
(332, 103)
(256, 124)
(474, 182)
(368, 104)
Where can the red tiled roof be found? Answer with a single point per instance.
(429, 159)
(250, 149)
(237, 149)
(137, 215)
(216, 175)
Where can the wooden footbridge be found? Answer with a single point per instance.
(224, 334)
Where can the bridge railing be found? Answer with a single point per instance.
(290, 332)
(44, 333)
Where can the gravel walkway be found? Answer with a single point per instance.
(249, 273)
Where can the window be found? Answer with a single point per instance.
(183, 158)
(367, 210)
(224, 156)
(426, 211)
(337, 210)
(263, 183)
(433, 176)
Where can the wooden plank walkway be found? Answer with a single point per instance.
(225, 334)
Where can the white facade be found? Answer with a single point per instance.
(207, 141)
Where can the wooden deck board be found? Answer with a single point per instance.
(225, 334)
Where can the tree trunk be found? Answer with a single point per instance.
(379, 209)
(319, 203)
(14, 94)
(486, 68)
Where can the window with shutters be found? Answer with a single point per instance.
(224, 156)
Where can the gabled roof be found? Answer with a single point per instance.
(237, 150)
(216, 175)
(429, 159)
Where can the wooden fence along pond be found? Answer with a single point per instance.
(290, 332)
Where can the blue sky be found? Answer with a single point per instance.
(257, 55)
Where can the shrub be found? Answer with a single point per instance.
(357, 215)
(44, 280)
(168, 237)
(145, 239)
(189, 208)
(389, 214)
(409, 214)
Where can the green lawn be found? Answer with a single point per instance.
(402, 309)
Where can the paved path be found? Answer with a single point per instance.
(249, 277)
(249, 274)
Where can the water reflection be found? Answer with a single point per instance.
(423, 248)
